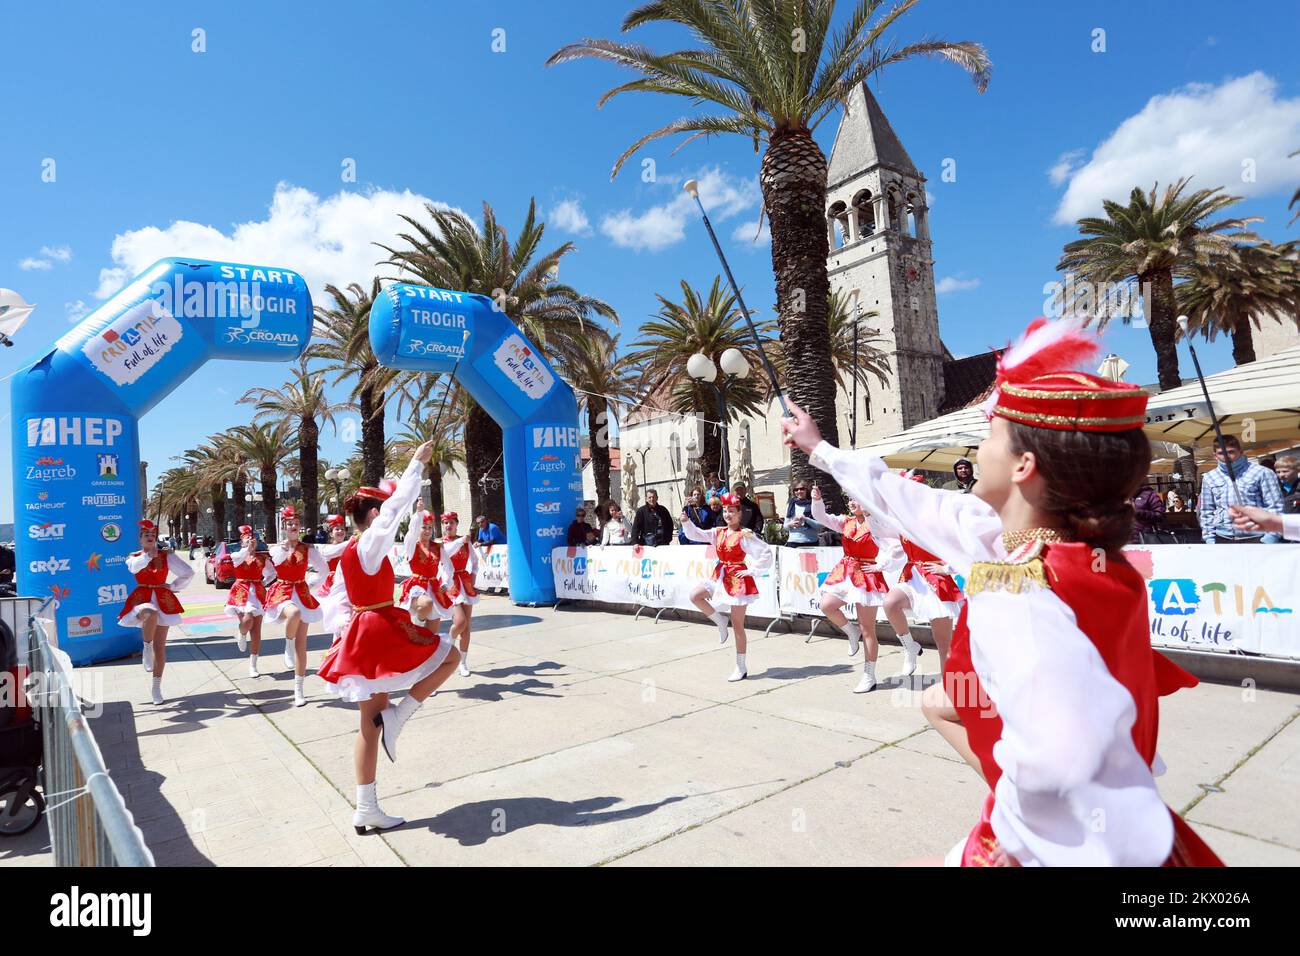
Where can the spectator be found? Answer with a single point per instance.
(488, 532)
(7, 565)
(751, 516)
(1174, 503)
(1149, 508)
(1288, 478)
(653, 525)
(798, 518)
(1269, 462)
(698, 512)
(1256, 485)
(616, 530)
(577, 536)
(593, 536)
(715, 509)
(715, 488)
(963, 477)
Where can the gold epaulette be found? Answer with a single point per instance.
(1022, 571)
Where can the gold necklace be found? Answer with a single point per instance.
(1014, 540)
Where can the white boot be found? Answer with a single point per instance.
(868, 678)
(368, 814)
(911, 651)
(252, 666)
(741, 672)
(463, 667)
(854, 631)
(146, 656)
(156, 690)
(290, 655)
(391, 721)
(720, 619)
(299, 696)
(241, 641)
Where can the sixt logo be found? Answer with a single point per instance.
(547, 507)
(46, 532)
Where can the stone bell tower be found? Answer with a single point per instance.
(879, 234)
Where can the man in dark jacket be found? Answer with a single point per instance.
(1150, 510)
(653, 525)
(699, 514)
(751, 516)
(963, 477)
(577, 535)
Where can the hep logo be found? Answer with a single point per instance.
(51, 566)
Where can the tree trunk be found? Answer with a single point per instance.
(219, 511)
(598, 445)
(268, 504)
(308, 479)
(372, 439)
(239, 494)
(793, 180)
(436, 502)
(1163, 327)
(1243, 342)
(483, 457)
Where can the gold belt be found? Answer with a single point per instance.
(373, 607)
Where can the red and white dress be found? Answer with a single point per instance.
(733, 578)
(426, 563)
(290, 587)
(331, 554)
(858, 578)
(152, 589)
(382, 650)
(934, 594)
(1052, 671)
(253, 572)
(459, 565)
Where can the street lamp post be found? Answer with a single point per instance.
(734, 367)
(337, 475)
(853, 419)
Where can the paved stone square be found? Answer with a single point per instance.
(588, 737)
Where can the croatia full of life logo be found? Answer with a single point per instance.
(135, 343)
(523, 366)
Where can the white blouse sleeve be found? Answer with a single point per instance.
(1074, 791)
(696, 533)
(1291, 527)
(960, 529)
(279, 553)
(137, 562)
(179, 567)
(413, 528)
(316, 561)
(377, 540)
(268, 572)
(331, 551)
(823, 517)
(758, 549)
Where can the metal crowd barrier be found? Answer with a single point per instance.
(88, 820)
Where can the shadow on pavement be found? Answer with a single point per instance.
(473, 824)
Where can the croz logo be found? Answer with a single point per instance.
(46, 532)
(112, 594)
(547, 507)
(72, 431)
(550, 531)
(129, 910)
(50, 566)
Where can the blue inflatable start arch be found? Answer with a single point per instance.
(76, 411)
(423, 329)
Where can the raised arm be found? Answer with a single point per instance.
(137, 562)
(413, 528)
(181, 568)
(759, 550)
(823, 517)
(379, 538)
(1066, 752)
(695, 532)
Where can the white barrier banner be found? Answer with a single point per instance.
(1223, 597)
(493, 567)
(801, 573)
(653, 577)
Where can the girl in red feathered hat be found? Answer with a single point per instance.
(1051, 686)
(382, 651)
(459, 566)
(291, 599)
(153, 606)
(723, 599)
(247, 599)
(422, 593)
(337, 529)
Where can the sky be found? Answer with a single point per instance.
(245, 150)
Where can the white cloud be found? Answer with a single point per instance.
(1236, 135)
(46, 259)
(952, 284)
(749, 233)
(1064, 166)
(569, 216)
(327, 241)
(33, 264)
(57, 253)
(76, 311)
(661, 226)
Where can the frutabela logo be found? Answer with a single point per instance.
(103, 500)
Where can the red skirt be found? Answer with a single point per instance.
(382, 651)
(282, 591)
(167, 600)
(850, 569)
(429, 586)
(243, 594)
(944, 587)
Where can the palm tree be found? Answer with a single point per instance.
(301, 399)
(1295, 198)
(1235, 294)
(267, 446)
(453, 252)
(342, 340)
(200, 460)
(776, 70)
(1148, 240)
(708, 325)
(600, 375)
(448, 449)
(177, 495)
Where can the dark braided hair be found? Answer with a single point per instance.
(358, 507)
(1090, 479)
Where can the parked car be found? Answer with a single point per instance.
(212, 566)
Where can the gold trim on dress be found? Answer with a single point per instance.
(1022, 392)
(1026, 573)
(374, 607)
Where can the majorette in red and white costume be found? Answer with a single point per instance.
(427, 563)
(331, 552)
(932, 591)
(382, 650)
(460, 565)
(1051, 667)
(858, 578)
(290, 587)
(151, 587)
(253, 572)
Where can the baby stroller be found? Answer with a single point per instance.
(21, 804)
